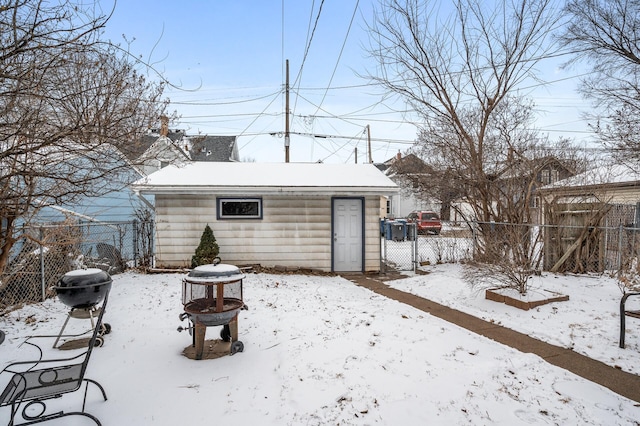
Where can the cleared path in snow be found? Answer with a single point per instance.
(620, 382)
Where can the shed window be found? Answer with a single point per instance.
(239, 208)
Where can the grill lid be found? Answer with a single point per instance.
(83, 288)
(219, 272)
(84, 277)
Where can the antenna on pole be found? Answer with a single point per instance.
(286, 116)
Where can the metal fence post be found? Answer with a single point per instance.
(384, 245)
(414, 232)
(42, 278)
(474, 237)
(619, 259)
(135, 243)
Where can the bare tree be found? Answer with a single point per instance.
(457, 72)
(605, 34)
(70, 105)
(461, 72)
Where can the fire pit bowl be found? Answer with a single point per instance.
(83, 288)
(212, 296)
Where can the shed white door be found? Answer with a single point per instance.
(348, 224)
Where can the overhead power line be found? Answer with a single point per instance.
(344, 42)
(240, 101)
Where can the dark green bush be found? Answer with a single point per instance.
(207, 250)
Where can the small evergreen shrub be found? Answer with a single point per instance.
(207, 250)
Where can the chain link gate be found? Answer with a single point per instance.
(404, 249)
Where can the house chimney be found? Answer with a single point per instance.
(164, 125)
(398, 156)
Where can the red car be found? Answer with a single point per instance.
(426, 221)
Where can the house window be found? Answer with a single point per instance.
(239, 208)
(546, 177)
(536, 202)
(549, 176)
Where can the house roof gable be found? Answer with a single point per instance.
(213, 148)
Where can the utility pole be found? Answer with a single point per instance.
(369, 143)
(286, 116)
(356, 154)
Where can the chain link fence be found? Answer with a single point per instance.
(43, 254)
(567, 249)
(404, 249)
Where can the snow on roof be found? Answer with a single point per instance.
(267, 177)
(617, 174)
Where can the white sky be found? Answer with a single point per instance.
(230, 59)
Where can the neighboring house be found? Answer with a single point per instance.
(306, 215)
(406, 200)
(581, 214)
(99, 239)
(533, 174)
(158, 150)
(164, 146)
(615, 185)
(519, 178)
(117, 202)
(212, 148)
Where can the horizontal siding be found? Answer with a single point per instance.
(248, 230)
(294, 232)
(622, 196)
(300, 252)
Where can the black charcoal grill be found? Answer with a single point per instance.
(82, 290)
(212, 296)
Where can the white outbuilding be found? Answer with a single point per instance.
(296, 215)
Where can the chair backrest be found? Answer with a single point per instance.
(97, 331)
(62, 376)
(42, 383)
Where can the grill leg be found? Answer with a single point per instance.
(62, 330)
(198, 336)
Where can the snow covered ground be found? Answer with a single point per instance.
(320, 350)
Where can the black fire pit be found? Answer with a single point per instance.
(212, 296)
(82, 290)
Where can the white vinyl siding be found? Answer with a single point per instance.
(295, 231)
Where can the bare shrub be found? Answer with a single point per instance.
(509, 256)
(58, 247)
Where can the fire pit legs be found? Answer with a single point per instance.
(199, 333)
(236, 345)
(233, 329)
